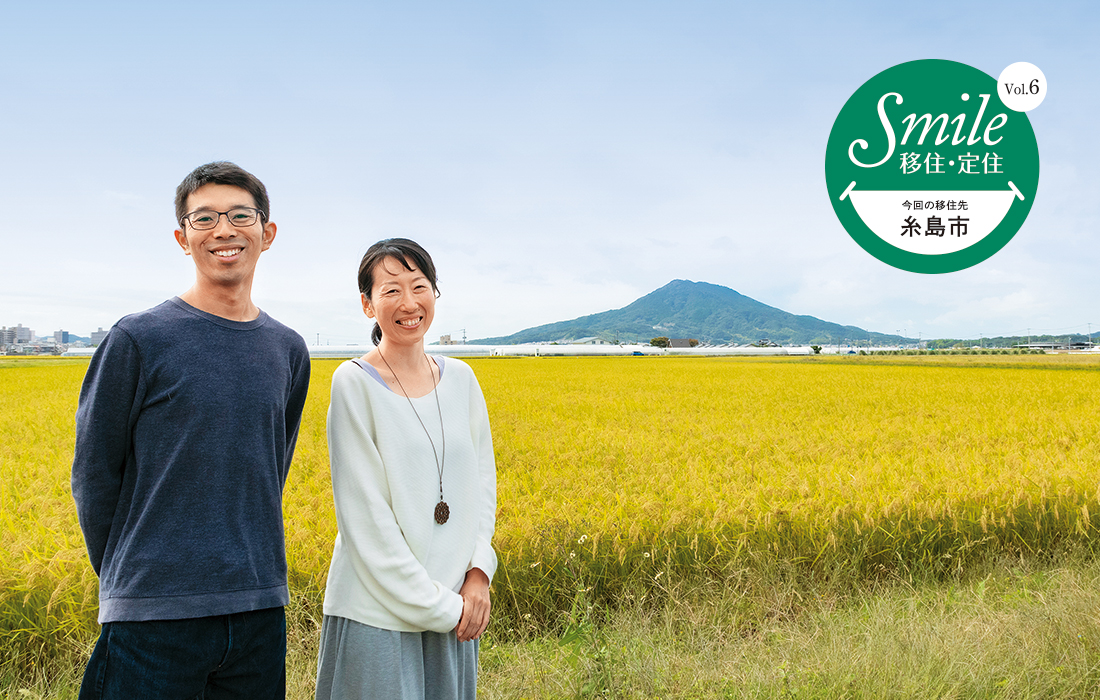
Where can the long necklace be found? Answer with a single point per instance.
(442, 510)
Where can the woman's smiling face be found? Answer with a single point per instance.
(402, 301)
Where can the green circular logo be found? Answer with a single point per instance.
(927, 169)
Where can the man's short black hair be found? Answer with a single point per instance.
(222, 172)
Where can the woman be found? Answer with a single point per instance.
(414, 482)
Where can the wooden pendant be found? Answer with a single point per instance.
(442, 512)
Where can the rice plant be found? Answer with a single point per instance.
(620, 478)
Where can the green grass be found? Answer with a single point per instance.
(1007, 629)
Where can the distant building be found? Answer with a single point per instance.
(1057, 345)
(61, 337)
(682, 342)
(7, 336)
(23, 335)
(446, 340)
(98, 336)
(590, 340)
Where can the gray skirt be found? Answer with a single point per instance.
(358, 661)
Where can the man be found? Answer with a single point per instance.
(184, 434)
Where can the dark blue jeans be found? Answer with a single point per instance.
(240, 656)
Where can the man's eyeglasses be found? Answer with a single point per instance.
(205, 219)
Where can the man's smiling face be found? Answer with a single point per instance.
(225, 255)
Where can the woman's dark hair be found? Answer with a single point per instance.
(403, 250)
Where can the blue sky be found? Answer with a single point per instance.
(557, 159)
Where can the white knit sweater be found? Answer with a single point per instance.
(393, 567)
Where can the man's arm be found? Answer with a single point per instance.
(295, 405)
(110, 399)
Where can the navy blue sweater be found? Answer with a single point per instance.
(184, 434)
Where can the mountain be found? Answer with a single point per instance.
(706, 312)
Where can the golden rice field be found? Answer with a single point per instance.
(619, 474)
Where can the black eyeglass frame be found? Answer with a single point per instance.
(260, 216)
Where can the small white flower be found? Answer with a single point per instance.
(582, 539)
